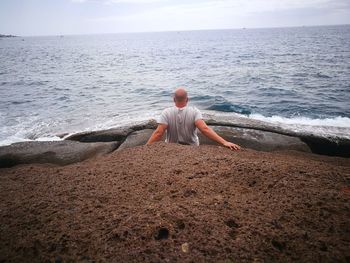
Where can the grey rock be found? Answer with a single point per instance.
(256, 139)
(114, 134)
(150, 124)
(137, 138)
(248, 138)
(337, 144)
(57, 152)
(328, 146)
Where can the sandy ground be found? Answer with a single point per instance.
(175, 203)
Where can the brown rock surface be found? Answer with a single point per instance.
(175, 203)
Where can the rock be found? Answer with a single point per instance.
(235, 120)
(256, 139)
(62, 135)
(114, 134)
(248, 138)
(247, 132)
(1, 35)
(185, 247)
(110, 135)
(336, 145)
(137, 138)
(150, 124)
(326, 146)
(56, 152)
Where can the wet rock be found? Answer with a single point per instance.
(56, 152)
(326, 146)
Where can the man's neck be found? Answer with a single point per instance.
(180, 105)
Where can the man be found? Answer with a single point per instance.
(181, 123)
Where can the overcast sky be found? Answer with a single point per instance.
(60, 17)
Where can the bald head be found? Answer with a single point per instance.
(180, 96)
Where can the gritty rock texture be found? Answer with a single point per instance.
(176, 203)
(57, 152)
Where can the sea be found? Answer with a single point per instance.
(295, 78)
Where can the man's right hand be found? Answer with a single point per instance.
(232, 146)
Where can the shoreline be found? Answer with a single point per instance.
(255, 135)
(334, 129)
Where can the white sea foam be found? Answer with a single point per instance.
(32, 129)
(37, 130)
(338, 127)
(329, 122)
(49, 138)
(333, 128)
(15, 139)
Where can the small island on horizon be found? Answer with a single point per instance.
(1, 35)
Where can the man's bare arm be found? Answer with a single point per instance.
(203, 127)
(157, 134)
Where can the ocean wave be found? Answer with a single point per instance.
(338, 121)
(334, 128)
(219, 103)
(16, 139)
(323, 76)
(330, 128)
(229, 107)
(20, 102)
(202, 98)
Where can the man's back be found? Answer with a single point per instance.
(180, 123)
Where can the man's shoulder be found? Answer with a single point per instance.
(193, 109)
(169, 109)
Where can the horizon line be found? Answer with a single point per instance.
(181, 30)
